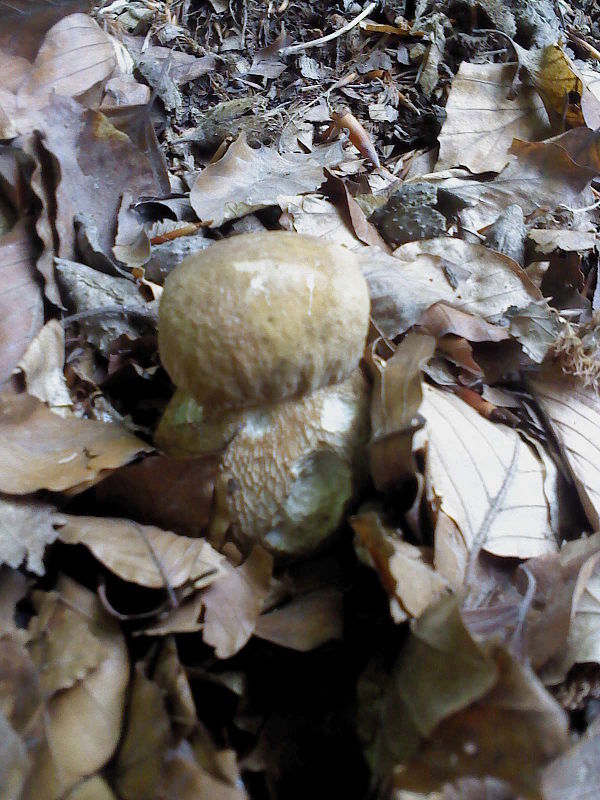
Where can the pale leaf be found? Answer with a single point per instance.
(244, 180)
(94, 788)
(40, 450)
(573, 411)
(306, 622)
(233, 603)
(14, 761)
(42, 366)
(481, 121)
(486, 479)
(134, 552)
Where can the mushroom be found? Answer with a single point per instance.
(262, 334)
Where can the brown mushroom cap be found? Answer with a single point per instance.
(262, 317)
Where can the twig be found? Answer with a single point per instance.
(110, 311)
(297, 48)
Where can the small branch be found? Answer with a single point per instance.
(297, 48)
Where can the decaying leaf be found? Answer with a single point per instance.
(26, 528)
(83, 723)
(313, 215)
(482, 121)
(487, 480)
(21, 303)
(244, 180)
(575, 775)
(187, 778)
(143, 554)
(234, 603)
(40, 450)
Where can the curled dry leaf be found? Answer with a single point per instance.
(83, 723)
(481, 120)
(312, 215)
(575, 775)
(244, 180)
(574, 416)
(234, 602)
(26, 528)
(40, 450)
(134, 552)
(487, 480)
(21, 303)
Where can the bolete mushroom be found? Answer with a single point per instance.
(262, 334)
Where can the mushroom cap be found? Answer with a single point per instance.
(262, 317)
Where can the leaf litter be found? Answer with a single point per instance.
(432, 648)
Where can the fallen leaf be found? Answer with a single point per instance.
(75, 54)
(21, 303)
(42, 367)
(171, 677)
(313, 215)
(547, 241)
(481, 120)
(487, 480)
(186, 618)
(541, 176)
(26, 528)
(14, 761)
(86, 290)
(83, 723)
(244, 180)
(305, 622)
(175, 494)
(234, 602)
(139, 764)
(185, 778)
(133, 552)
(405, 571)
(13, 588)
(40, 450)
(61, 644)
(23, 23)
(441, 319)
(574, 416)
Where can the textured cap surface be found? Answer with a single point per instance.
(262, 317)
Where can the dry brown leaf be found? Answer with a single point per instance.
(244, 180)
(134, 552)
(185, 778)
(23, 24)
(21, 303)
(405, 571)
(42, 366)
(175, 494)
(441, 319)
(61, 644)
(306, 622)
(40, 450)
(186, 618)
(541, 176)
(147, 736)
(469, 277)
(75, 54)
(234, 602)
(171, 676)
(26, 528)
(566, 97)
(83, 723)
(481, 121)
(487, 480)
(574, 415)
